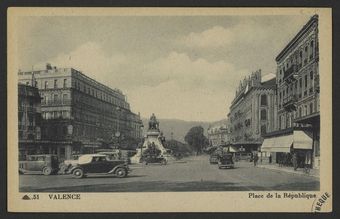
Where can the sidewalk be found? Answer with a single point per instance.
(300, 171)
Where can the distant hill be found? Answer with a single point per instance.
(179, 128)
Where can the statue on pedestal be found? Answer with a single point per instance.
(153, 123)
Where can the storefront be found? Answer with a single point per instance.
(282, 147)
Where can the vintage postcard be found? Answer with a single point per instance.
(169, 110)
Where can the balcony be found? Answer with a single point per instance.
(290, 74)
(289, 103)
(56, 102)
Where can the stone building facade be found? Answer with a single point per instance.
(218, 135)
(79, 114)
(297, 80)
(29, 120)
(252, 112)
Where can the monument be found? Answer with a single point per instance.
(154, 138)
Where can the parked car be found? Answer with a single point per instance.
(226, 161)
(67, 164)
(244, 156)
(98, 163)
(46, 164)
(213, 158)
(146, 159)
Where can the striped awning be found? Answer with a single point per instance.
(302, 140)
(278, 144)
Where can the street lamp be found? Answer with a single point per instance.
(117, 133)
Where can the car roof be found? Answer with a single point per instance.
(87, 158)
(93, 155)
(40, 155)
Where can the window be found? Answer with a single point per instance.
(300, 111)
(64, 98)
(311, 49)
(55, 83)
(311, 108)
(311, 75)
(263, 129)
(64, 84)
(280, 124)
(306, 81)
(300, 82)
(55, 98)
(264, 100)
(263, 114)
(306, 110)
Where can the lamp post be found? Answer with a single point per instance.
(117, 134)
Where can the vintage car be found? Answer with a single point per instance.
(43, 163)
(67, 164)
(244, 156)
(225, 161)
(116, 156)
(213, 158)
(146, 159)
(98, 163)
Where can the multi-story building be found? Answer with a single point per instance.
(298, 105)
(218, 135)
(252, 112)
(29, 119)
(79, 113)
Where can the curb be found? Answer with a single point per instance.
(295, 172)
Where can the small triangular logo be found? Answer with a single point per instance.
(26, 197)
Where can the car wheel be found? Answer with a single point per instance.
(121, 172)
(78, 173)
(47, 171)
(163, 162)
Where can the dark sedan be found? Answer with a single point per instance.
(99, 163)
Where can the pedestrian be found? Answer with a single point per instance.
(295, 161)
(308, 161)
(256, 158)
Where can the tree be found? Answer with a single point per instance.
(196, 139)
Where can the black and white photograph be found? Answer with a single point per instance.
(152, 103)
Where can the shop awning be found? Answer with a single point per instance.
(230, 149)
(302, 141)
(267, 144)
(278, 144)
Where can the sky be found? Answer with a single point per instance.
(178, 67)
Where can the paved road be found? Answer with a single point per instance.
(190, 174)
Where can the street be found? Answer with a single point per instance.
(188, 174)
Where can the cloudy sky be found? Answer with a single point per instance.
(177, 67)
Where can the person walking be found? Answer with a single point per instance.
(295, 161)
(308, 162)
(256, 158)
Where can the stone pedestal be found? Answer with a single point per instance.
(153, 137)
